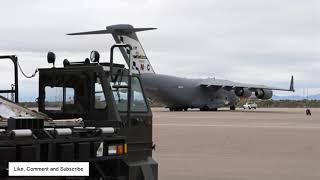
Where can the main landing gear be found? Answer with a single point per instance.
(178, 109)
(232, 108)
(206, 108)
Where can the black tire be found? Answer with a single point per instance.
(205, 108)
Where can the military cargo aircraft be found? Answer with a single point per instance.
(176, 93)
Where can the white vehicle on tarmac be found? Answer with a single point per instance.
(250, 105)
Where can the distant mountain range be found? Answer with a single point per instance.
(296, 97)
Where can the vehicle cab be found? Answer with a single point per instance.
(102, 94)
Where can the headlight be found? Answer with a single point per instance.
(112, 150)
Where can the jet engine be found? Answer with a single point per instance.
(264, 93)
(243, 92)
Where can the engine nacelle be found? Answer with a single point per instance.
(243, 92)
(264, 93)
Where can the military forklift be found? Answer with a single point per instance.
(88, 111)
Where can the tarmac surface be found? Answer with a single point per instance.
(262, 144)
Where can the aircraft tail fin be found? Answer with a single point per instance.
(292, 85)
(125, 33)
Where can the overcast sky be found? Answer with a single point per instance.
(253, 41)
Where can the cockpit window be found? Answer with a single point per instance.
(66, 94)
(69, 95)
(54, 98)
(138, 102)
(58, 98)
(100, 100)
(120, 93)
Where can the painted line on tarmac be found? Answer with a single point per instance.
(238, 126)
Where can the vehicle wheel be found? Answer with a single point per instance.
(249, 107)
(185, 109)
(171, 109)
(214, 109)
(232, 108)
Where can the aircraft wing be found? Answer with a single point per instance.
(230, 85)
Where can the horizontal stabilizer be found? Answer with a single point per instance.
(91, 32)
(119, 29)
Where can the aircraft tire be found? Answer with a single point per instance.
(205, 108)
(232, 108)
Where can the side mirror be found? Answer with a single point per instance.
(94, 56)
(51, 58)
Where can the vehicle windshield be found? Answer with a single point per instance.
(66, 94)
(120, 93)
